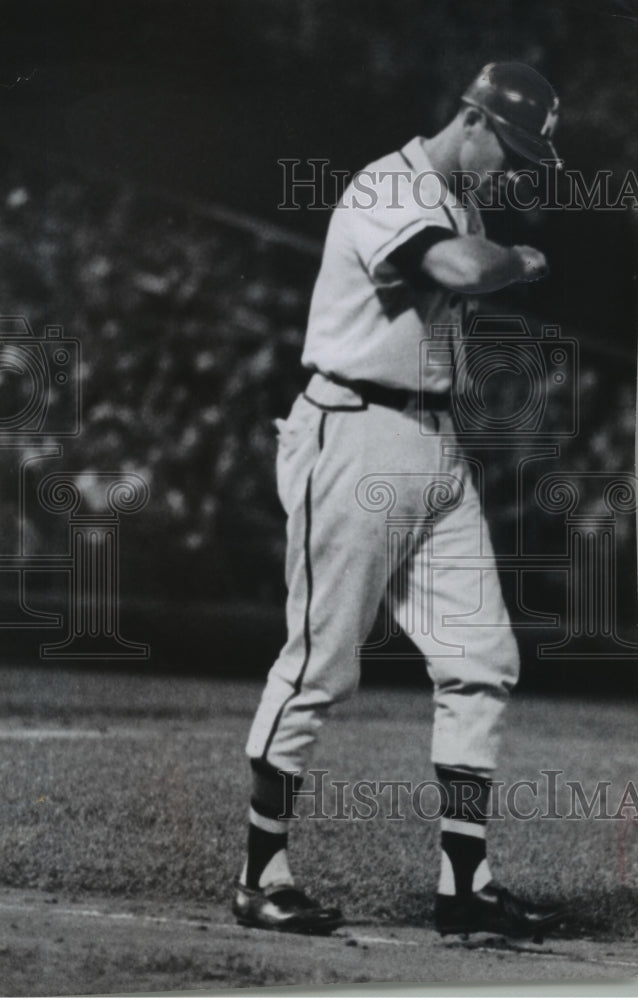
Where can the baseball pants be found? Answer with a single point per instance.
(378, 509)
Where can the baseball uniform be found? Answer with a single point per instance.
(356, 458)
(381, 504)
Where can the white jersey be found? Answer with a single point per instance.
(366, 322)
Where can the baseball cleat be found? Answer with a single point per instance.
(284, 907)
(494, 909)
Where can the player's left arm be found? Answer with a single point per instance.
(408, 258)
(473, 264)
(466, 264)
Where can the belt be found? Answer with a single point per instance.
(395, 399)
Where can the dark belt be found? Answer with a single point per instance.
(395, 399)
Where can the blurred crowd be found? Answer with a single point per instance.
(191, 334)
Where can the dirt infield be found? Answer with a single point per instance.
(51, 945)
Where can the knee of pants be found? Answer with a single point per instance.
(496, 668)
(344, 683)
(510, 662)
(502, 671)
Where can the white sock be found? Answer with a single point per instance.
(277, 870)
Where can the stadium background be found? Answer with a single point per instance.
(138, 208)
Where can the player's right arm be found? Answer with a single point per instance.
(476, 265)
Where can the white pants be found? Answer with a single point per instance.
(378, 509)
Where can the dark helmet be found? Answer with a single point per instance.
(521, 106)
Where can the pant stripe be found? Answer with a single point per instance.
(309, 585)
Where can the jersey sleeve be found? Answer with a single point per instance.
(408, 256)
(388, 210)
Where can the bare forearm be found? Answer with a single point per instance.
(473, 264)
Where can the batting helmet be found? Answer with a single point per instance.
(521, 105)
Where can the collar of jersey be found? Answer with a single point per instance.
(417, 159)
(415, 156)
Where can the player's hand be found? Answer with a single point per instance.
(533, 263)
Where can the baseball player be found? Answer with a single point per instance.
(405, 254)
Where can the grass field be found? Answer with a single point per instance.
(136, 786)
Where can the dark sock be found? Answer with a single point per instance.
(465, 806)
(262, 847)
(267, 833)
(465, 796)
(273, 790)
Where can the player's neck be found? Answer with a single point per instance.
(443, 152)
